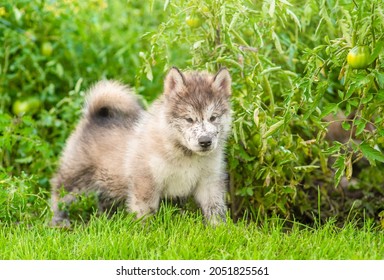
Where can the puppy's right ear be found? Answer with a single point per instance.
(174, 81)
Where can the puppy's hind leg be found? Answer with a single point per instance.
(60, 209)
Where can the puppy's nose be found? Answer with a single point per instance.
(205, 141)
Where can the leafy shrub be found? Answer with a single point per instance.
(52, 51)
(288, 64)
(21, 200)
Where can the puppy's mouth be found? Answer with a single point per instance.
(201, 151)
(204, 151)
(198, 149)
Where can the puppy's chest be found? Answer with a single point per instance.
(178, 180)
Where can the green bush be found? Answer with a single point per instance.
(289, 70)
(288, 63)
(51, 52)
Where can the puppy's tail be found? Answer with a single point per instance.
(111, 103)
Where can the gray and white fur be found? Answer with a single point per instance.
(127, 154)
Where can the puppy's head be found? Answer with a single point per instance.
(198, 108)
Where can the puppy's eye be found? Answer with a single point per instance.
(212, 118)
(190, 120)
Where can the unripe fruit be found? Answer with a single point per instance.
(358, 57)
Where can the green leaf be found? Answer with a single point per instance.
(277, 42)
(360, 126)
(166, 3)
(288, 189)
(346, 125)
(249, 191)
(59, 70)
(376, 51)
(335, 148)
(380, 95)
(78, 85)
(353, 102)
(273, 128)
(371, 154)
(148, 71)
(244, 155)
(330, 108)
(28, 159)
(294, 17)
(380, 78)
(339, 166)
(271, 11)
(306, 167)
(367, 98)
(348, 169)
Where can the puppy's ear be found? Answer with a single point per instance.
(222, 82)
(174, 81)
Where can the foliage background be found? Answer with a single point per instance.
(289, 70)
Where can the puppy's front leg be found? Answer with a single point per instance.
(209, 194)
(143, 197)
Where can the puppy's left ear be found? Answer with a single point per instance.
(222, 81)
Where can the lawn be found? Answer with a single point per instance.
(172, 235)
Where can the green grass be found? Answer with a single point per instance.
(171, 235)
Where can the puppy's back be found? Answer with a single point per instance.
(93, 156)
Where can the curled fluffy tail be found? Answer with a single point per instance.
(110, 102)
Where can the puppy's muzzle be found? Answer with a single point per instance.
(205, 141)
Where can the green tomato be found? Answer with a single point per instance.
(46, 49)
(193, 22)
(27, 106)
(256, 140)
(205, 9)
(358, 57)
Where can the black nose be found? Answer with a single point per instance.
(205, 141)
